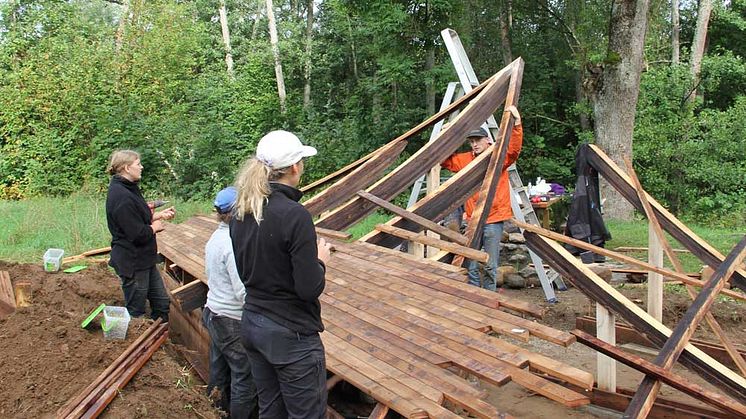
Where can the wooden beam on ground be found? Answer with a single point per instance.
(423, 222)
(665, 246)
(7, 296)
(89, 253)
(676, 381)
(494, 167)
(333, 234)
(648, 390)
(468, 252)
(620, 257)
(191, 296)
(483, 105)
(621, 182)
(600, 291)
(627, 334)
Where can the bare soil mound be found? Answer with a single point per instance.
(46, 358)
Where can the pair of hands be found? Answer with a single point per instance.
(158, 218)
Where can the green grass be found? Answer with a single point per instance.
(76, 223)
(635, 234)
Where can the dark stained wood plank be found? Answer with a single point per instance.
(423, 222)
(190, 296)
(676, 381)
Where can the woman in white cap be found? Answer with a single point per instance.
(282, 267)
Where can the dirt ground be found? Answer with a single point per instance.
(46, 358)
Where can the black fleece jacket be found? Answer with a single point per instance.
(278, 262)
(133, 245)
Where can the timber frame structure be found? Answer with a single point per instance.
(407, 330)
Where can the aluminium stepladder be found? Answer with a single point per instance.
(519, 193)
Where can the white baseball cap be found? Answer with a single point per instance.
(280, 149)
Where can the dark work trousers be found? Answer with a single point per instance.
(230, 370)
(146, 285)
(289, 369)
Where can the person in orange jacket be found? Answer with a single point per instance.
(500, 210)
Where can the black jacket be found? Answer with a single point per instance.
(585, 221)
(278, 262)
(133, 245)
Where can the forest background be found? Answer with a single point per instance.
(80, 78)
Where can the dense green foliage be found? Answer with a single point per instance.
(69, 95)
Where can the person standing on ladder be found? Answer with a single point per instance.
(500, 210)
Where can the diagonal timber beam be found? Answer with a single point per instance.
(423, 222)
(494, 168)
(622, 183)
(362, 177)
(668, 250)
(640, 405)
(676, 381)
(600, 291)
(483, 105)
(620, 257)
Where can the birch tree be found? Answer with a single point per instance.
(698, 45)
(226, 38)
(307, 69)
(276, 53)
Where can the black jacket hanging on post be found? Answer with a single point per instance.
(585, 221)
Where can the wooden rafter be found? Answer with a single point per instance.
(679, 338)
(622, 183)
(478, 110)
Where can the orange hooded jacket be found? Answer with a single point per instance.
(500, 210)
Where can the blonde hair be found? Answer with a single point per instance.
(252, 183)
(121, 159)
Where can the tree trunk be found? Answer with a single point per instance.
(276, 52)
(430, 82)
(352, 47)
(257, 19)
(698, 45)
(616, 92)
(675, 29)
(506, 21)
(585, 123)
(309, 39)
(119, 37)
(226, 38)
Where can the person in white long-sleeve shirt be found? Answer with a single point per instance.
(230, 370)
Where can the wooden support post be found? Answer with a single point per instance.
(606, 367)
(379, 412)
(655, 279)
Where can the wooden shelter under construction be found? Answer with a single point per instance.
(408, 330)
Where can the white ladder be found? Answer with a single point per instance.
(519, 194)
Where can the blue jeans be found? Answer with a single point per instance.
(146, 285)
(491, 236)
(230, 370)
(289, 369)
